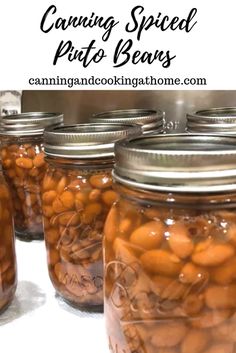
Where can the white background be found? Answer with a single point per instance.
(207, 51)
(37, 321)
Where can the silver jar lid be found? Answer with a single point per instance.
(149, 120)
(86, 140)
(215, 120)
(32, 123)
(180, 163)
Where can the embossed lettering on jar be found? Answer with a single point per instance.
(77, 196)
(24, 167)
(8, 270)
(170, 255)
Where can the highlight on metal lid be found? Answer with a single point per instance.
(86, 140)
(180, 163)
(216, 120)
(148, 119)
(32, 123)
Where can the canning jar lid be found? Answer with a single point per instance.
(86, 140)
(32, 123)
(148, 119)
(222, 120)
(180, 163)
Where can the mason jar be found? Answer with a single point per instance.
(77, 195)
(24, 167)
(149, 120)
(213, 120)
(170, 246)
(8, 271)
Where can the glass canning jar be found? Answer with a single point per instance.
(150, 120)
(213, 120)
(77, 195)
(170, 246)
(8, 271)
(24, 167)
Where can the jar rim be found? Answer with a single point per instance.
(177, 162)
(30, 123)
(221, 119)
(148, 119)
(86, 140)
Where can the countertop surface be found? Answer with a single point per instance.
(38, 320)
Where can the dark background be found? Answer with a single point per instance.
(77, 106)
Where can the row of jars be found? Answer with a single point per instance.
(165, 212)
(62, 180)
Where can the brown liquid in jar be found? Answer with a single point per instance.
(8, 277)
(75, 206)
(170, 276)
(24, 168)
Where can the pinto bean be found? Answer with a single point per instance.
(52, 235)
(179, 240)
(110, 228)
(124, 251)
(109, 197)
(82, 197)
(25, 163)
(38, 160)
(195, 341)
(218, 297)
(49, 183)
(58, 206)
(49, 196)
(213, 255)
(193, 304)
(95, 195)
(91, 211)
(47, 211)
(231, 234)
(161, 262)
(210, 318)
(125, 225)
(101, 181)
(225, 331)
(159, 283)
(67, 199)
(169, 334)
(191, 273)
(225, 273)
(220, 348)
(61, 185)
(149, 235)
(70, 218)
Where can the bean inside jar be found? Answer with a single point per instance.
(170, 275)
(77, 196)
(24, 169)
(22, 154)
(8, 275)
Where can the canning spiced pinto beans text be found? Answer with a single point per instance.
(170, 280)
(75, 206)
(124, 52)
